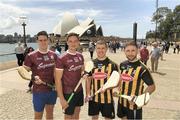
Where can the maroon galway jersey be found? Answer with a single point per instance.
(71, 64)
(42, 64)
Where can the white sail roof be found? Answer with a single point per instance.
(70, 24)
(69, 21)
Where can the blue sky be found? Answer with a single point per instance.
(115, 16)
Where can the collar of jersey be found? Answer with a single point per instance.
(103, 59)
(43, 52)
(134, 61)
(70, 53)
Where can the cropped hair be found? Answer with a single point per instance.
(72, 34)
(131, 43)
(101, 42)
(42, 33)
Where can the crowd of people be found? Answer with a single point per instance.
(64, 71)
(156, 52)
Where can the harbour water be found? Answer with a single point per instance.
(7, 49)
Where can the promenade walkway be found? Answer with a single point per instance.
(15, 103)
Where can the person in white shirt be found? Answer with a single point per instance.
(19, 50)
(155, 54)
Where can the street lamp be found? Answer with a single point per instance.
(23, 20)
(156, 19)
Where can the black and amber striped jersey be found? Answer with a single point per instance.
(101, 72)
(133, 77)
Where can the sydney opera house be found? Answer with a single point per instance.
(70, 23)
(87, 30)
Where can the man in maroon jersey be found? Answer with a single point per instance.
(144, 54)
(69, 67)
(42, 62)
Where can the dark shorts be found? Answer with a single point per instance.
(130, 114)
(42, 99)
(107, 110)
(76, 101)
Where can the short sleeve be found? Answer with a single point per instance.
(28, 62)
(59, 63)
(147, 78)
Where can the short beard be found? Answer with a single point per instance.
(132, 59)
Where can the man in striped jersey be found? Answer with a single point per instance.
(103, 67)
(133, 75)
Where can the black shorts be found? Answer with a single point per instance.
(77, 100)
(107, 110)
(130, 114)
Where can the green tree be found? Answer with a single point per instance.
(160, 14)
(176, 17)
(150, 34)
(168, 22)
(166, 27)
(158, 17)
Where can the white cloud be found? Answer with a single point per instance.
(60, 13)
(147, 18)
(7, 9)
(86, 12)
(8, 1)
(8, 22)
(38, 17)
(9, 15)
(41, 10)
(83, 12)
(69, 0)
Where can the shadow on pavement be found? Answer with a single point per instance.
(160, 73)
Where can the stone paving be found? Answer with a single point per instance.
(15, 103)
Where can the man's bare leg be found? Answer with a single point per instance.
(38, 115)
(76, 113)
(67, 117)
(95, 117)
(49, 112)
